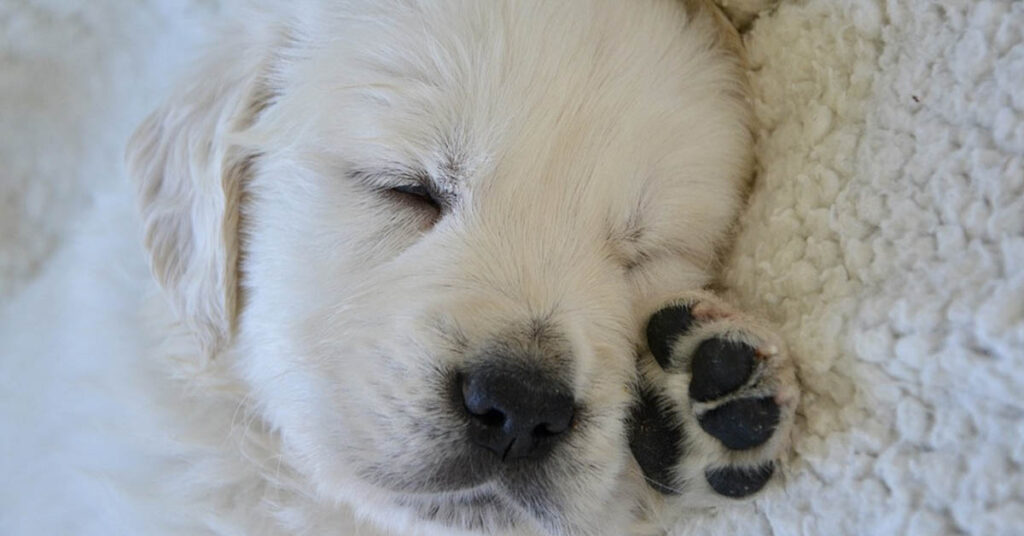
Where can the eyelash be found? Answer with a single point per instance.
(418, 193)
(416, 188)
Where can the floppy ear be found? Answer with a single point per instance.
(188, 179)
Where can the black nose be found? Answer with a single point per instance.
(516, 413)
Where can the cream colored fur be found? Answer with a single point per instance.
(594, 154)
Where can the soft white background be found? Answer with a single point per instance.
(885, 236)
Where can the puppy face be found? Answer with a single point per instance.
(428, 234)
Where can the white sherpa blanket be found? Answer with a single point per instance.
(885, 235)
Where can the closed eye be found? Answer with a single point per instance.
(416, 193)
(403, 185)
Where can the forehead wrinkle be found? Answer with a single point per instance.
(450, 168)
(635, 226)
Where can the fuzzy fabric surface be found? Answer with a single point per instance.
(76, 78)
(885, 235)
(886, 238)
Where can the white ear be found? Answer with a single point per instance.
(188, 180)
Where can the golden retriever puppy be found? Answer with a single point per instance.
(443, 263)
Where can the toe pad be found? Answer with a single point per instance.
(742, 424)
(738, 482)
(720, 367)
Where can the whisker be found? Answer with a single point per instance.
(659, 485)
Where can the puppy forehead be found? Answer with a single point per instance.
(455, 86)
(610, 111)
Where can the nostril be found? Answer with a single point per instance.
(478, 403)
(492, 419)
(479, 406)
(513, 412)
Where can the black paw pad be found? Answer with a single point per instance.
(664, 328)
(720, 367)
(656, 439)
(737, 482)
(742, 424)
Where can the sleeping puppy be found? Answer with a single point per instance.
(447, 259)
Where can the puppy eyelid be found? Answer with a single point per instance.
(386, 178)
(413, 184)
(419, 190)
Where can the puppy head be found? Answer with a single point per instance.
(428, 235)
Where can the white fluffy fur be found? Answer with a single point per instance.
(595, 153)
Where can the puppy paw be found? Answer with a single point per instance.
(716, 403)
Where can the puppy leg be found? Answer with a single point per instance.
(717, 398)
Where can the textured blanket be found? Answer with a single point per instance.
(885, 234)
(886, 237)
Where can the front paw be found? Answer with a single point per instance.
(715, 404)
